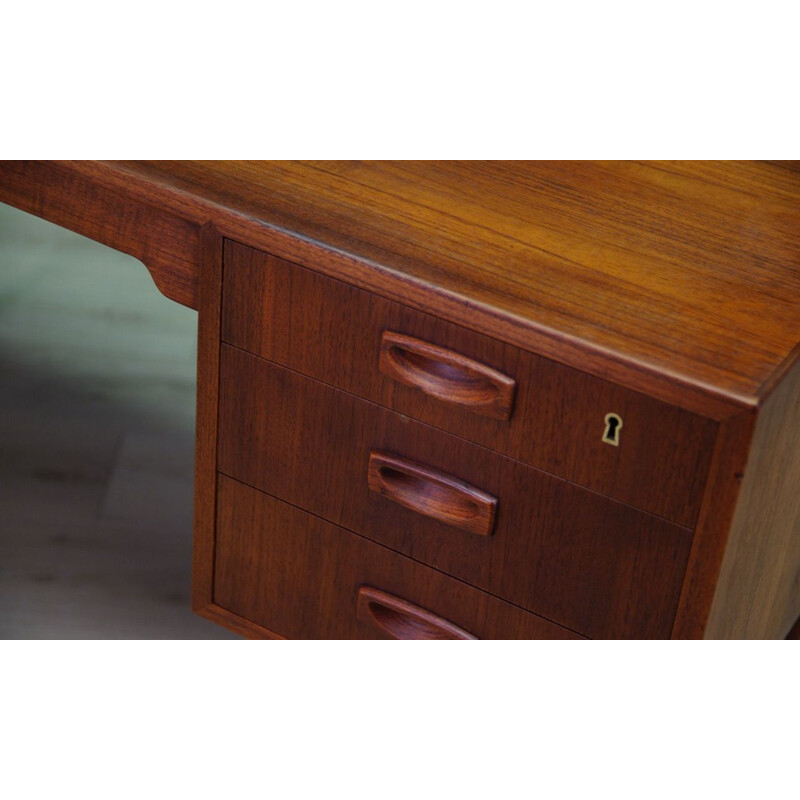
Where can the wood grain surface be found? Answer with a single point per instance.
(665, 292)
(586, 562)
(758, 591)
(205, 475)
(431, 493)
(446, 375)
(403, 620)
(675, 278)
(690, 269)
(299, 577)
(332, 331)
(165, 240)
(713, 525)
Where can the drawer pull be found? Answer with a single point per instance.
(446, 375)
(432, 493)
(402, 620)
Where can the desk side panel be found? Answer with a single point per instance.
(205, 479)
(758, 591)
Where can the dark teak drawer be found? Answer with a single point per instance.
(302, 578)
(580, 559)
(556, 421)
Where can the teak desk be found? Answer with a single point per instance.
(456, 400)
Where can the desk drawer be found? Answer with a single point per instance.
(549, 416)
(303, 578)
(580, 559)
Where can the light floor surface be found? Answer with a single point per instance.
(97, 394)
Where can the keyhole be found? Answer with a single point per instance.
(613, 427)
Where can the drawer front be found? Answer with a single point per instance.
(550, 416)
(303, 578)
(580, 559)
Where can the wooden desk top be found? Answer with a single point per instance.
(679, 279)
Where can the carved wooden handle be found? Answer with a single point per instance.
(402, 620)
(446, 375)
(432, 493)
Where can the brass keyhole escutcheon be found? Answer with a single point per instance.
(613, 427)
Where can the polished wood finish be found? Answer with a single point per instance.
(580, 559)
(664, 293)
(676, 279)
(299, 577)
(711, 533)
(687, 269)
(236, 623)
(445, 375)
(431, 493)
(76, 197)
(333, 332)
(402, 620)
(758, 590)
(205, 482)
